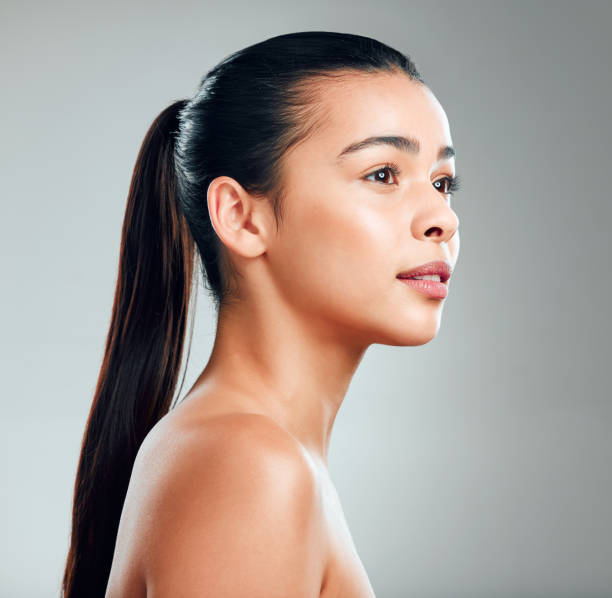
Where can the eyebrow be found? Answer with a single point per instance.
(410, 145)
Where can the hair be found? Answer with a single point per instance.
(248, 111)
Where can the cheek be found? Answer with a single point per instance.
(339, 257)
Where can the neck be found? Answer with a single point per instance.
(295, 370)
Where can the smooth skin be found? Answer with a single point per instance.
(226, 495)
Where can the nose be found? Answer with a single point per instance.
(436, 220)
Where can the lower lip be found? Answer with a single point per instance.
(431, 288)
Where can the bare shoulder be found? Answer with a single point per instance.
(229, 508)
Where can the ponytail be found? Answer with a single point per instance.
(142, 357)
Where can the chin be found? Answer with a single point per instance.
(406, 335)
(412, 339)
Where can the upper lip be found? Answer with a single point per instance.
(439, 267)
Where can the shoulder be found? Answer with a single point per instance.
(208, 447)
(231, 508)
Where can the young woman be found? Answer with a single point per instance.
(311, 175)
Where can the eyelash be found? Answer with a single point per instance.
(454, 183)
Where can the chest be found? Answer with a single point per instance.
(345, 575)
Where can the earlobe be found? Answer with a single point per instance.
(231, 210)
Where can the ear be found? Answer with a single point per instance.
(238, 217)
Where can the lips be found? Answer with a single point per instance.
(439, 267)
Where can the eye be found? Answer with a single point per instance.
(380, 176)
(448, 184)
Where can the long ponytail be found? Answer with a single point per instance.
(142, 358)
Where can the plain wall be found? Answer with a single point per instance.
(478, 465)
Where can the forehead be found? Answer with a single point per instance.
(359, 105)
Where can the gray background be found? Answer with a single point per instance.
(477, 465)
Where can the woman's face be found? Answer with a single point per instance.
(351, 225)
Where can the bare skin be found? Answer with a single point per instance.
(312, 298)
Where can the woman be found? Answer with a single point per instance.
(311, 174)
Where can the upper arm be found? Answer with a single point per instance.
(235, 514)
